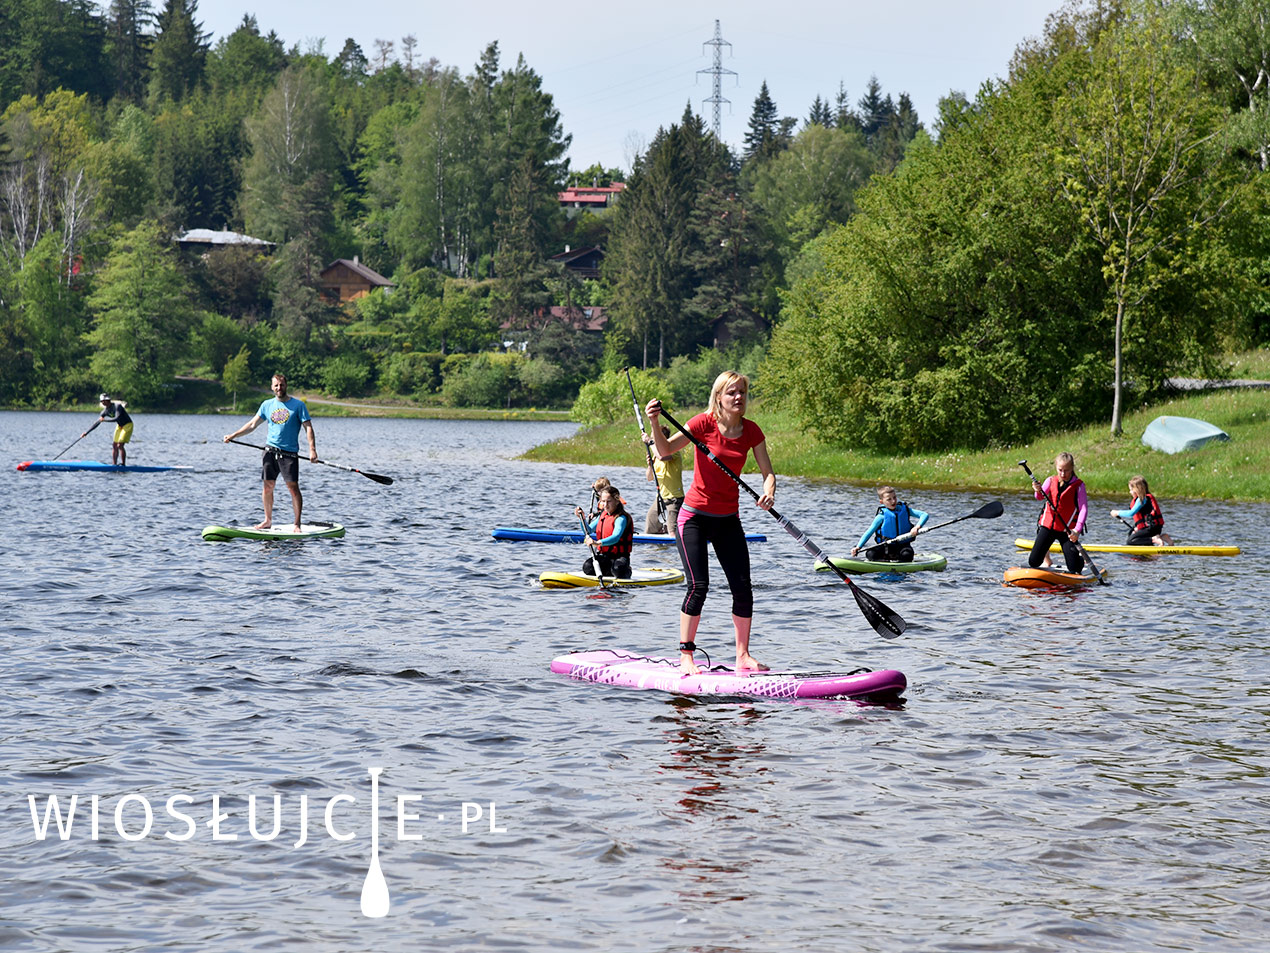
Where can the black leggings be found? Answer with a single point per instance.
(697, 533)
(890, 553)
(618, 566)
(1144, 536)
(1044, 538)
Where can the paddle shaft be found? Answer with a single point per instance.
(1063, 523)
(988, 511)
(639, 419)
(377, 477)
(595, 550)
(885, 622)
(81, 436)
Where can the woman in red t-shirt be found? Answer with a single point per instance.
(710, 513)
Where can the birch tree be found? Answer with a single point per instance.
(1142, 162)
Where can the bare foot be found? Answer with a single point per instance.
(748, 663)
(263, 524)
(689, 667)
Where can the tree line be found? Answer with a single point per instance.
(1083, 229)
(1047, 253)
(125, 125)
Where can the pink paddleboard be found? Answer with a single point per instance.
(641, 671)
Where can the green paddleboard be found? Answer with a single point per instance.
(222, 534)
(921, 562)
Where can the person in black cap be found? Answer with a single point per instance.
(114, 410)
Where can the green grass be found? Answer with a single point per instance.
(1233, 470)
(1251, 365)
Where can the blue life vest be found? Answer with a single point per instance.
(895, 522)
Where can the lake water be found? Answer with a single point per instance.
(1078, 771)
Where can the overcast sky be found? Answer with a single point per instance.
(620, 71)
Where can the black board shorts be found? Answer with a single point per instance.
(275, 463)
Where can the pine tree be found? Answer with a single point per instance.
(128, 47)
(760, 139)
(180, 52)
(820, 114)
(875, 109)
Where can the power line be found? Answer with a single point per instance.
(717, 71)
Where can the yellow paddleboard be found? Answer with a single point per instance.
(654, 576)
(1145, 550)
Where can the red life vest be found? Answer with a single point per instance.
(1149, 517)
(604, 529)
(1064, 500)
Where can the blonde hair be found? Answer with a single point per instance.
(883, 490)
(722, 383)
(1138, 485)
(1066, 457)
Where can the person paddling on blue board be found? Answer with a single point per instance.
(711, 514)
(668, 474)
(894, 518)
(285, 416)
(114, 410)
(1066, 493)
(610, 535)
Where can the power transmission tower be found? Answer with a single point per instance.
(717, 71)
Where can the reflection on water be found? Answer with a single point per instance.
(1076, 771)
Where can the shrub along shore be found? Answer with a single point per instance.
(1230, 470)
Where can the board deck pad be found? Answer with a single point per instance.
(222, 534)
(1179, 550)
(648, 576)
(606, 667)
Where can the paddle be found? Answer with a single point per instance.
(885, 623)
(989, 511)
(377, 477)
(639, 419)
(595, 552)
(81, 437)
(1063, 523)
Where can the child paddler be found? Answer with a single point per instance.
(1145, 516)
(894, 518)
(1066, 492)
(610, 535)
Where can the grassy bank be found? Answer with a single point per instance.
(1233, 470)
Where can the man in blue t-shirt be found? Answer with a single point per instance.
(285, 416)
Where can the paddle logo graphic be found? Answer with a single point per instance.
(180, 818)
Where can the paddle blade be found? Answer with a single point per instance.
(377, 477)
(885, 621)
(989, 511)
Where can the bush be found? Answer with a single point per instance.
(690, 380)
(413, 372)
(541, 382)
(608, 398)
(345, 376)
(481, 380)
